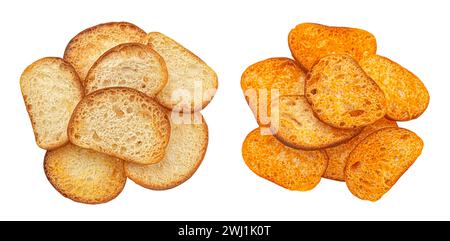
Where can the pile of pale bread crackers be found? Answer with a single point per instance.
(332, 112)
(120, 104)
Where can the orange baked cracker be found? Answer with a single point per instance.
(377, 163)
(342, 94)
(406, 96)
(310, 42)
(290, 168)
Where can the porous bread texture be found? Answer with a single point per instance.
(184, 154)
(51, 89)
(277, 76)
(132, 65)
(309, 42)
(192, 83)
(121, 122)
(406, 96)
(377, 162)
(84, 175)
(290, 168)
(342, 94)
(295, 125)
(338, 155)
(87, 46)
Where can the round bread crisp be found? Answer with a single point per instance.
(51, 89)
(338, 155)
(378, 161)
(87, 46)
(121, 122)
(342, 94)
(184, 154)
(192, 83)
(290, 168)
(295, 125)
(406, 96)
(278, 76)
(84, 175)
(132, 65)
(310, 42)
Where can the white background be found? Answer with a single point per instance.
(229, 36)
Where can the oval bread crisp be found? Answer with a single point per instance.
(84, 175)
(378, 161)
(51, 89)
(86, 47)
(121, 122)
(342, 94)
(192, 83)
(406, 96)
(290, 168)
(131, 65)
(309, 42)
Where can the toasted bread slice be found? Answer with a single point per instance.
(121, 122)
(290, 168)
(377, 162)
(132, 65)
(184, 154)
(51, 89)
(278, 76)
(406, 96)
(84, 175)
(309, 42)
(87, 46)
(338, 155)
(192, 83)
(295, 125)
(342, 95)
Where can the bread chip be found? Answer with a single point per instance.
(290, 168)
(121, 122)
(87, 46)
(261, 79)
(309, 42)
(342, 95)
(192, 83)
(295, 125)
(376, 163)
(406, 96)
(84, 175)
(184, 154)
(130, 65)
(338, 155)
(51, 89)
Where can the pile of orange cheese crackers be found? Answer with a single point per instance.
(332, 112)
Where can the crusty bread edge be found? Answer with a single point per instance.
(76, 199)
(396, 180)
(314, 148)
(120, 47)
(30, 115)
(69, 133)
(174, 184)
(215, 79)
